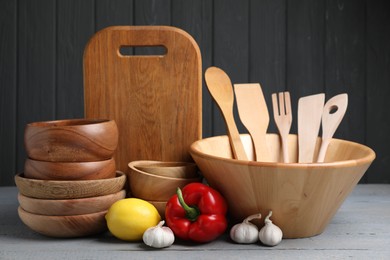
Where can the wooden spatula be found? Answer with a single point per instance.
(253, 113)
(310, 110)
(221, 90)
(334, 112)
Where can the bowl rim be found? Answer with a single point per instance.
(347, 163)
(105, 161)
(119, 175)
(56, 218)
(77, 200)
(76, 122)
(132, 166)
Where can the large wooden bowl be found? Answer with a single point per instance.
(48, 189)
(149, 186)
(65, 226)
(72, 140)
(68, 207)
(45, 170)
(303, 197)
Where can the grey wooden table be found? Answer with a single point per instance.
(359, 230)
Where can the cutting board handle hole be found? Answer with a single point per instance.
(143, 50)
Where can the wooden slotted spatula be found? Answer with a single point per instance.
(310, 110)
(221, 90)
(253, 113)
(334, 111)
(283, 119)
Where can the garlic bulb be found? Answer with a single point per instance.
(270, 234)
(158, 236)
(245, 232)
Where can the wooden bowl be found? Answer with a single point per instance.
(160, 206)
(148, 186)
(44, 170)
(303, 197)
(170, 169)
(65, 226)
(68, 207)
(48, 189)
(73, 140)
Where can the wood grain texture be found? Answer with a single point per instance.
(221, 89)
(303, 197)
(253, 112)
(43, 170)
(155, 100)
(74, 140)
(65, 226)
(149, 186)
(50, 207)
(170, 169)
(310, 109)
(52, 189)
(8, 90)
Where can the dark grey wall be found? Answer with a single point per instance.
(304, 46)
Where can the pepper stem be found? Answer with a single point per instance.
(193, 212)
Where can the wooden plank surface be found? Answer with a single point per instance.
(154, 99)
(36, 92)
(378, 88)
(231, 50)
(359, 230)
(303, 46)
(109, 13)
(8, 90)
(75, 25)
(195, 17)
(345, 57)
(305, 50)
(267, 60)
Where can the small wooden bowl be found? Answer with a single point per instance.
(170, 169)
(303, 197)
(48, 189)
(148, 186)
(65, 226)
(44, 170)
(73, 140)
(50, 207)
(160, 206)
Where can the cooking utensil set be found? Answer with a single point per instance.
(253, 113)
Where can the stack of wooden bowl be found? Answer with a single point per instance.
(156, 182)
(70, 178)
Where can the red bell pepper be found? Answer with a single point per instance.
(197, 213)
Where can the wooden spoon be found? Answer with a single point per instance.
(220, 87)
(310, 110)
(334, 112)
(253, 113)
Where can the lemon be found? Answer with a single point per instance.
(128, 219)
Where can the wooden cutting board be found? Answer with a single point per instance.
(156, 100)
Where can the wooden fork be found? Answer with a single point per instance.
(283, 119)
